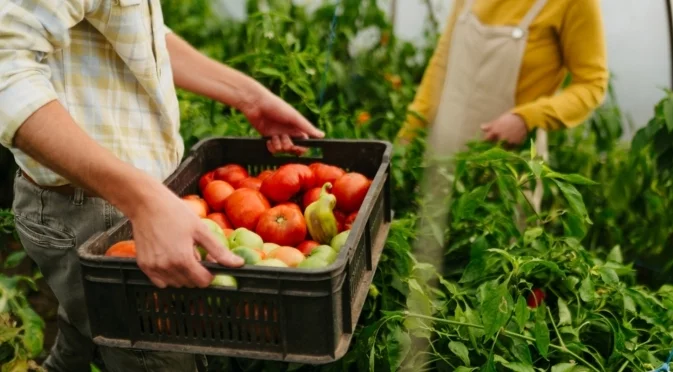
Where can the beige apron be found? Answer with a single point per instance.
(480, 85)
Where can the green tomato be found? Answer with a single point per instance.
(221, 280)
(246, 238)
(325, 252)
(339, 240)
(219, 234)
(313, 262)
(272, 262)
(250, 256)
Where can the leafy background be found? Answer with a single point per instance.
(597, 249)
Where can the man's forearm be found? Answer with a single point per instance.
(199, 74)
(48, 135)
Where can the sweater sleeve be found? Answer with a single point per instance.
(429, 92)
(582, 42)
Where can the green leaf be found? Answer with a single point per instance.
(461, 351)
(521, 312)
(417, 302)
(8, 333)
(571, 178)
(496, 308)
(493, 154)
(490, 365)
(399, 344)
(587, 291)
(521, 351)
(464, 369)
(270, 71)
(615, 254)
(609, 275)
(541, 330)
(474, 270)
(563, 313)
(629, 304)
(568, 367)
(518, 367)
(668, 113)
(574, 198)
(14, 259)
(468, 203)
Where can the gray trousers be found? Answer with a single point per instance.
(51, 226)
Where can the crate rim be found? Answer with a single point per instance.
(332, 270)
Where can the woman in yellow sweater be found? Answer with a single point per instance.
(497, 68)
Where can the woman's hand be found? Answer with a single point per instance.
(510, 128)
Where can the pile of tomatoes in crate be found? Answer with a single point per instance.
(295, 216)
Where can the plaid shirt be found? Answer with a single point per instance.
(106, 62)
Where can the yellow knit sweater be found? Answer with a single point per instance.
(567, 36)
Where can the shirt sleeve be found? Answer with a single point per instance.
(31, 30)
(582, 42)
(429, 92)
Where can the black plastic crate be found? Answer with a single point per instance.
(304, 316)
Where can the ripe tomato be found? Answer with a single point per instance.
(124, 248)
(535, 299)
(324, 173)
(350, 190)
(291, 256)
(350, 220)
(282, 185)
(291, 205)
(206, 179)
(307, 246)
(198, 205)
(244, 207)
(216, 193)
(262, 176)
(250, 183)
(283, 225)
(341, 219)
(306, 177)
(228, 232)
(232, 174)
(310, 196)
(221, 220)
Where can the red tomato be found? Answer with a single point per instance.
(206, 179)
(124, 248)
(198, 205)
(291, 256)
(282, 225)
(250, 183)
(306, 177)
(244, 207)
(282, 185)
(535, 299)
(350, 190)
(292, 205)
(350, 220)
(220, 219)
(262, 176)
(232, 174)
(341, 219)
(307, 246)
(310, 196)
(216, 193)
(324, 173)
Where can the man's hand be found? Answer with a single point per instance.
(165, 231)
(267, 113)
(273, 117)
(510, 128)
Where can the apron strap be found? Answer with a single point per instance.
(467, 7)
(532, 13)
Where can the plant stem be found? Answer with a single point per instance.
(558, 334)
(508, 333)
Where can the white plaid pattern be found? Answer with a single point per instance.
(106, 61)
